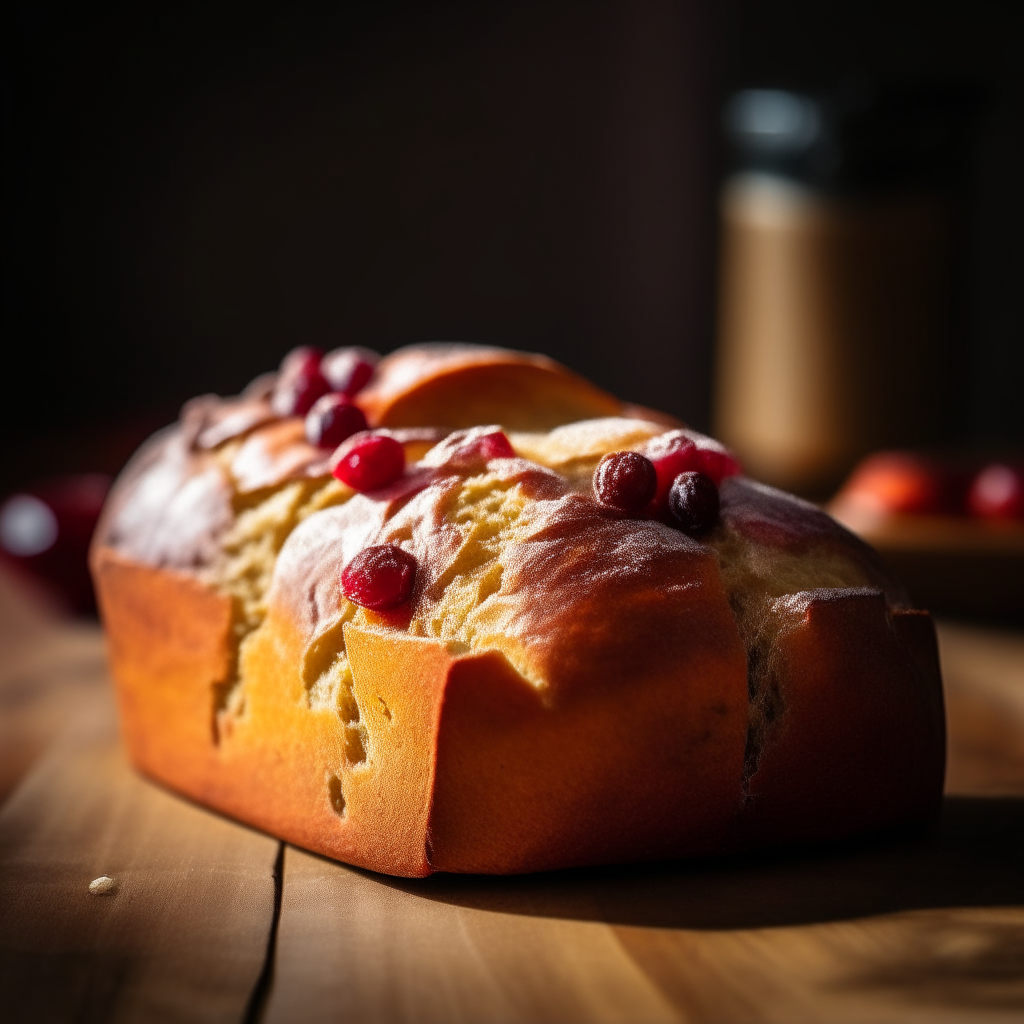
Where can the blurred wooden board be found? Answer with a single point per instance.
(52, 673)
(926, 928)
(983, 674)
(182, 936)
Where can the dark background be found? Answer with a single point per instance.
(191, 194)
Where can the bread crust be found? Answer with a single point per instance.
(651, 696)
(465, 385)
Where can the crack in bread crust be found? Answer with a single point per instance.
(759, 582)
(244, 568)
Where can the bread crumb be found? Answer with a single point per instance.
(102, 886)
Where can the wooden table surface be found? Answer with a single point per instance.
(208, 920)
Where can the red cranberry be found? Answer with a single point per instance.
(496, 446)
(675, 453)
(302, 361)
(625, 481)
(294, 394)
(379, 577)
(369, 462)
(468, 451)
(693, 502)
(997, 493)
(299, 382)
(333, 419)
(348, 370)
(717, 463)
(671, 455)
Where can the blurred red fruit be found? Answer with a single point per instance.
(672, 454)
(299, 383)
(302, 361)
(899, 482)
(348, 370)
(493, 445)
(296, 395)
(997, 493)
(45, 532)
(333, 419)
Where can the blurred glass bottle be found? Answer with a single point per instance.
(837, 301)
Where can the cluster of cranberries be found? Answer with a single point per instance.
(676, 478)
(379, 577)
(382, 577)
(321, 388)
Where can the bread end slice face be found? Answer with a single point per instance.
(858, 741)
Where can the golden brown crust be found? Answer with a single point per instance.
(170, 504)
(465, 385)
(617, 692)
(168, 645)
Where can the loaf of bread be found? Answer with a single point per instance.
(565, 683)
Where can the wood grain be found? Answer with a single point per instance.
(889, 929)
(353, 947)
(183, 935)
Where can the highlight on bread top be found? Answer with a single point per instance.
(458, 609)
